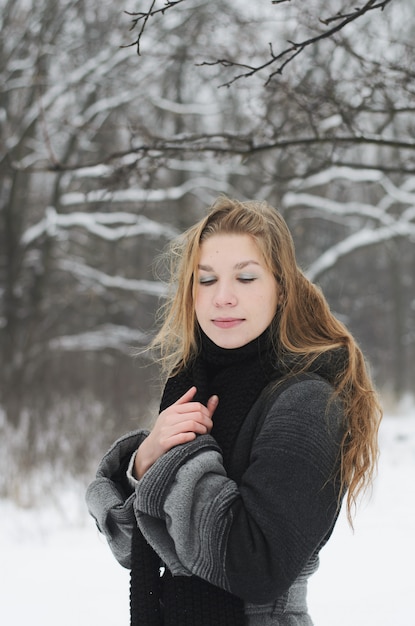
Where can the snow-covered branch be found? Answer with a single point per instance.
(403, 195)
(331, 207)
(109, 226)
(91, 71)
(119, 338)
(99, 280)
(104, 105)
(363, 239)
(386, 226)
(179, 108)
(333, 173)
(145, 195)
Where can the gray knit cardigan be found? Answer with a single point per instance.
(257, 534)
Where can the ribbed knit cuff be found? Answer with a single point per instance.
(154, 486)
(132, 480)
(103, 490)
(122, 449)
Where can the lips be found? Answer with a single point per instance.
(227, 322)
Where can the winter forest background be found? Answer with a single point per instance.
(106, 154)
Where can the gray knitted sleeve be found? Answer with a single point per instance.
(108, 501)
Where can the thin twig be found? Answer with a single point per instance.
(296, 47)
(143, 16)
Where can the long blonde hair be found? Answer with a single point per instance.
(303, 326)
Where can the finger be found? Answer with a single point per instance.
(212, 404)
(191, 407)
(188, 428)
(194, 424)
(176, 440)
(187, 397)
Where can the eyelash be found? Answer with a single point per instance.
(206, 281)
(246, 279)
(210, 280)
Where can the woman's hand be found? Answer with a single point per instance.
(179, 423)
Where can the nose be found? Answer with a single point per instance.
(224, 295)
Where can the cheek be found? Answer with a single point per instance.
(198, 303)
(271, 304)
(270, 310)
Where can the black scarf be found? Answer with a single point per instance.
(237, 376)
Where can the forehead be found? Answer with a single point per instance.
(230, 245)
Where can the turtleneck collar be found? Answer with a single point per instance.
(259, 350)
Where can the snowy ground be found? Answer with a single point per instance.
(56, 569)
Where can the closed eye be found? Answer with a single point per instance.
(246, 278)
(207, 280)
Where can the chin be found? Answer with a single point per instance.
(229, 343)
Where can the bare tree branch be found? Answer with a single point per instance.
(351, 16)
(143, 17)
(228, 144)
(286, 56)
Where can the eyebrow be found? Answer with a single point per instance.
(238, 266)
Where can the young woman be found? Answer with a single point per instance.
(267, 419)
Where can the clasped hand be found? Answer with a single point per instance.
(179, 423)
